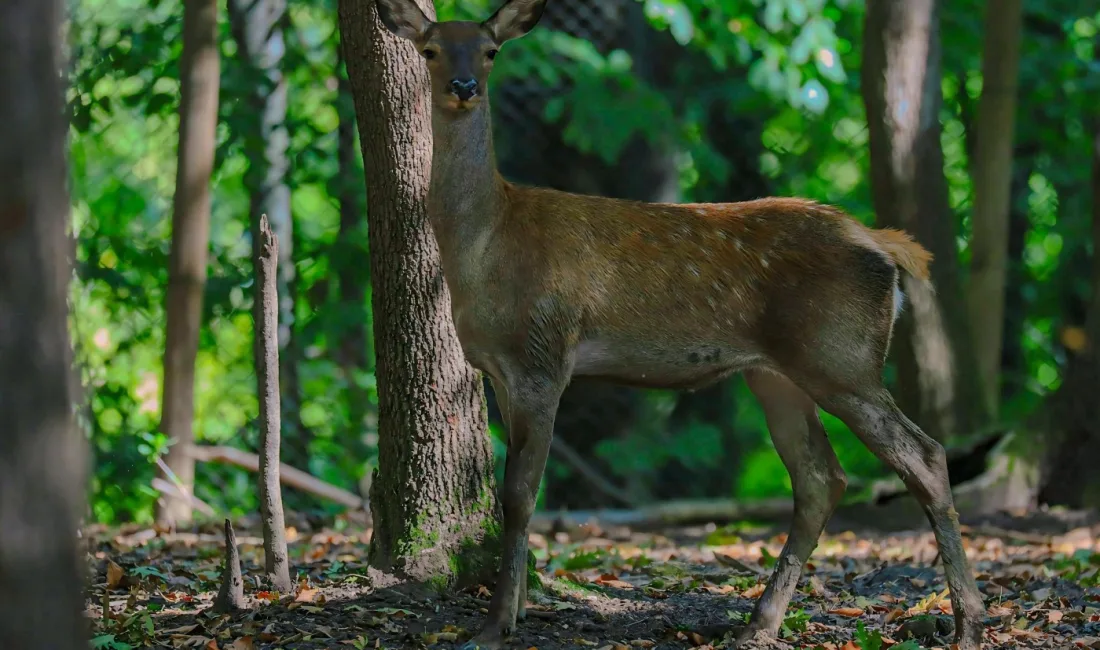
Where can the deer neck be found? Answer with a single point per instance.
(466, 194)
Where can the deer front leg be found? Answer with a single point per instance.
(532, 405)
(500, 389)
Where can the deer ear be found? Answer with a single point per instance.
(514, 19)
(403, 18)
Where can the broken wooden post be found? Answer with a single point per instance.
(266, 316)
(231, 594)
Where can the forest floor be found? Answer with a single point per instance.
(607, 589)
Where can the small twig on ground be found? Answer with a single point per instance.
(288, 475)
(231, 594)
(164, 487)
(572, 458)
(533, 613)
(1007, 535)
(668, 513)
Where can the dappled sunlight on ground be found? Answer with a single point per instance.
(677, 588)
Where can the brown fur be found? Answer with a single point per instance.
(546, 286)
(910, 255)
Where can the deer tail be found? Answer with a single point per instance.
(906, 253)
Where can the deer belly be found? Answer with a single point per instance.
(656, 366)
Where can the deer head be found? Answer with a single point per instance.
(459, 53)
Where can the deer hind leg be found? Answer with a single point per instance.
(816, 477)
(921, 463)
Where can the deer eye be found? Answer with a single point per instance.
(429, 54)
(492, 54)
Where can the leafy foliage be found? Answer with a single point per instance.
(787, 68)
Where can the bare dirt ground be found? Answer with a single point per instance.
(608, 589)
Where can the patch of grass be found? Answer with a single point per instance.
(794, 623)
(872, 640)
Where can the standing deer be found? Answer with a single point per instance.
(547, 286)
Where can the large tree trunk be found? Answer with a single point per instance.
(257, 29)
(433, 501)
(42, 454)
(937, 378)
(995, 130)
(1075, 412)
(200, 68)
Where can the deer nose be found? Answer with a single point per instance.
(464, 89)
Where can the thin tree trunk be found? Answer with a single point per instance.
(266, 316)
(199, 84)
(257, 29)
(43, 457)
(901, 90)
(433, 500)
(995, 130)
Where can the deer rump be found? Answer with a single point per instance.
(681, 295)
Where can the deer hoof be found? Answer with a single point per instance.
(487, 640)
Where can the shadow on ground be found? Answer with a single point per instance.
(682, 588)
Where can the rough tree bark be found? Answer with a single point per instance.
(992, 168)
(42, 454)
(200, 67)
(433, 500)
(937, 377)
(257, 29)
(266, 318)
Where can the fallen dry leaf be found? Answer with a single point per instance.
(850, 612)
(754, 592)
(115, 573)
(306, 595)
(243, 643)
(643, 643)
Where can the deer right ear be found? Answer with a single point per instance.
(403, 18)
(514, 19)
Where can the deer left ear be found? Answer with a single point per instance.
(514, 19)
(403, 18)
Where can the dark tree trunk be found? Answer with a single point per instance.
(355, 353)
(1071, 477)
(199, 84)
(257, 29)
(433, 502)
(43, 455)
(937, 374)
(1013, 364)
(265, 313)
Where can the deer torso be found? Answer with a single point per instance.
(588, 283)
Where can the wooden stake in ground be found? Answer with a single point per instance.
(231, 594)
(266, 317)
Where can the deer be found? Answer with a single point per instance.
(546, 286)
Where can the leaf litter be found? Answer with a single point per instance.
(608, 590)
